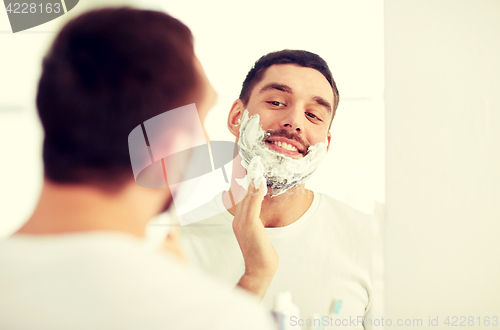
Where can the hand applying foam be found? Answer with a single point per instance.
(255, 173)
(261, 259)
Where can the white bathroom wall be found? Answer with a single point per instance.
(442, 73)
(229, 37)
(20, 131)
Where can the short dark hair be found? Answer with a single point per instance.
(288, 56)
(108, 71)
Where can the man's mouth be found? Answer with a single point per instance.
(285, 146)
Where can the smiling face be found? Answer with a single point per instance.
(295, 106)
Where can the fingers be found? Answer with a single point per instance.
(252, 202)
(258, 192)
(239, 193)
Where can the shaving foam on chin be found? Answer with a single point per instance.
(281, 171)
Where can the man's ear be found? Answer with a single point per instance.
(234, 118)
(328, 137)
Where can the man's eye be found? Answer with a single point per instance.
(276, 103)
(312, 116)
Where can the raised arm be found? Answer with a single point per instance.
(261, 259)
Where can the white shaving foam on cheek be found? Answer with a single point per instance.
(281, 171)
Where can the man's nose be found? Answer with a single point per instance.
(292, 119)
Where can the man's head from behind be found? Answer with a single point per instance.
(107, 72)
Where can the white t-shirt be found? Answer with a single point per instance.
(325, 256)
(107, 280)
